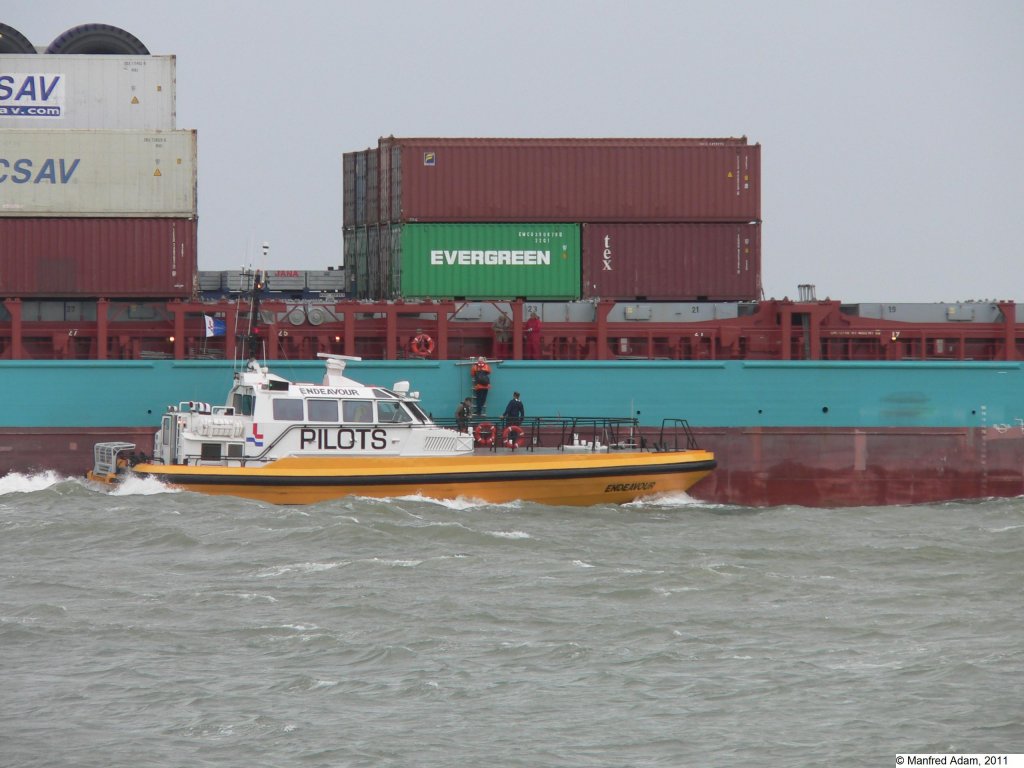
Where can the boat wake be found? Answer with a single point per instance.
(134, 485)
(459, 503)
(674, 499)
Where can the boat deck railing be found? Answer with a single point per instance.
(105, 457)
(577, 433)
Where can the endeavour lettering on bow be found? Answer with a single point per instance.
(614, 487)
(490, 258)
(344, 439)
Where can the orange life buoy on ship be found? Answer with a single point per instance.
(422, 345)
(484, 433)
(513, 437)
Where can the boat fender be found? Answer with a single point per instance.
(484, 433)
(422, 345)
(513, 437)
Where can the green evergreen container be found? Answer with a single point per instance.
(487, 261)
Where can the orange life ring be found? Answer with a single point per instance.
(484, 433)
(513, 437)
(422, 345)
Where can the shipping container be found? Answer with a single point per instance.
(87, 91)
(98, 173)
(210, 282)
(348, 189)
(356, 260)
(680, 262)
(372, 188)
(385, 193)
(487, 261)
(238, 280)
(376, 265)
(476, 261)
(288, 280)
(360, 187)
(97, 257)
(326, 280)
(555, 180)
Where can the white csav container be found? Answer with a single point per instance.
(87, 91)
(98, 173)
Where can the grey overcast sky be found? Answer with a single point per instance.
(892, 161)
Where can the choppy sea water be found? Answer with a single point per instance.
(159, 628)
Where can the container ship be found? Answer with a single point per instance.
(615, 277)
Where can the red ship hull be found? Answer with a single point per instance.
(757, 467)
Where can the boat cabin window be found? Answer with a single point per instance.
(235, 451)
(392, 412)
(322, 410)
(418, 412)
(242, 401)
(288, 409)
(210, 452)
(383, 394)
(357, 411)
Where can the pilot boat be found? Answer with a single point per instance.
(287, 442)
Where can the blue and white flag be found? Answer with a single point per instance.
(214, 326)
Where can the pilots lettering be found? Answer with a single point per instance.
(343, 439)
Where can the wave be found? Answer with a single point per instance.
(459, 503)
(669, 499)
(134, 485)
(16, 482)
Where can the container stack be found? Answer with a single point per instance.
(554, 219)
(97, 186)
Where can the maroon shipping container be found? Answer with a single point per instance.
(671, 262)
(97, 257)
(557, 180)
(348, 189)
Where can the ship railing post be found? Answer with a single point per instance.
(178, 311)
(14, 308)
(442, 329)
(101, 328)
(601, 315)
(390, 332)
(517, 329)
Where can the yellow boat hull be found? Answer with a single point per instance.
(556, 478)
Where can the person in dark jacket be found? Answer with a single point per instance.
(462, 414)
(514, 411)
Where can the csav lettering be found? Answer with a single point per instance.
(32, 88)
(24, 171)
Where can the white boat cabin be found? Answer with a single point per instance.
(267, 418)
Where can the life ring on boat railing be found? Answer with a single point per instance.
(513, 437)
(422, 345)
(484, 433)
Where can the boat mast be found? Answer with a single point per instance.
(250, 340)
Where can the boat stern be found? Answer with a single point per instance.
(110, 461)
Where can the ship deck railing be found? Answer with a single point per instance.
(105, 457)
(580, 433)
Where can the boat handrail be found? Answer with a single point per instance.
(574, 432)
(675, 430)
(105, 457)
